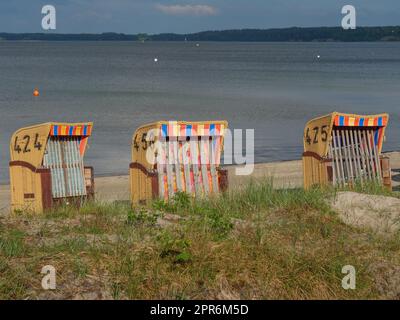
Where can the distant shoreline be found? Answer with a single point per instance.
(294, 34)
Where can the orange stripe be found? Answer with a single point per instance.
(182, 132)
(337, 121)
(194, 130)
(217, 129)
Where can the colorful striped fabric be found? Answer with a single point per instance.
(175, 129)
(350, 121)
(67, 130)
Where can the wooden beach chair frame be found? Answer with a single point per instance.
(344, 149)
(46, 166)
(163, 162)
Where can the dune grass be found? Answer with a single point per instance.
(257, 243)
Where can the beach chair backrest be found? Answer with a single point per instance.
(64, 157)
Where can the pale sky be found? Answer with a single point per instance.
(186, 16)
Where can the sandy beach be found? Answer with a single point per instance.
(283, 174)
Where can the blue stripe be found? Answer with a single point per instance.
(212, 129)
(380, 121)
(361, 122)
(164, 130)
(376, 136)
(71, 131)
(189, 130)
(84, 130)
(341, 121)
(55, 130)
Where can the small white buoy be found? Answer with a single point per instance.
(318, 56)
(155, 59)
(197, 44)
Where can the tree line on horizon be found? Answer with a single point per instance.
(293, 34)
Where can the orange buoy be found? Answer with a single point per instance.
(36, 93)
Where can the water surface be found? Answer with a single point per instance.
(271, 87)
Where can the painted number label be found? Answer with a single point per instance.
(315, 134)
(145, 141)
(26, 143)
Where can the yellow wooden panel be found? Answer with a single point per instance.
(26, 192)
(317, 135)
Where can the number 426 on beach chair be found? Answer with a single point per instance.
(171, 157)
(344, 149)
(47, 168)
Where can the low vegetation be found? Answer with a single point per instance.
(293, 34)
(257, 243)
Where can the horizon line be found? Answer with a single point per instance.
(210, 30)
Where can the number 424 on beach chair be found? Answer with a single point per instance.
(171, 157)
(47, 168)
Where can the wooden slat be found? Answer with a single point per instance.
(340, 152)
(348, 154)
(364, 155)
(64, 169)
(203, 159)
(378, 163)
(177, 164)
(75, 180)
(69, 179)
(194, 151)
(343, 153)
(170, 177)
(337, 166)
(72, 166)
(355, 150)
(371, 158)
(186, 166)
(214, 176)
(55, 171)
(60, 169)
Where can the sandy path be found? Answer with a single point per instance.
(379, 213)
(283, 174)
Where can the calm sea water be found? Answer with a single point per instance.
(271, 87)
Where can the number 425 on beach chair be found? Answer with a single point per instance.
(171, 157)
(344, 149)
(47, 168)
